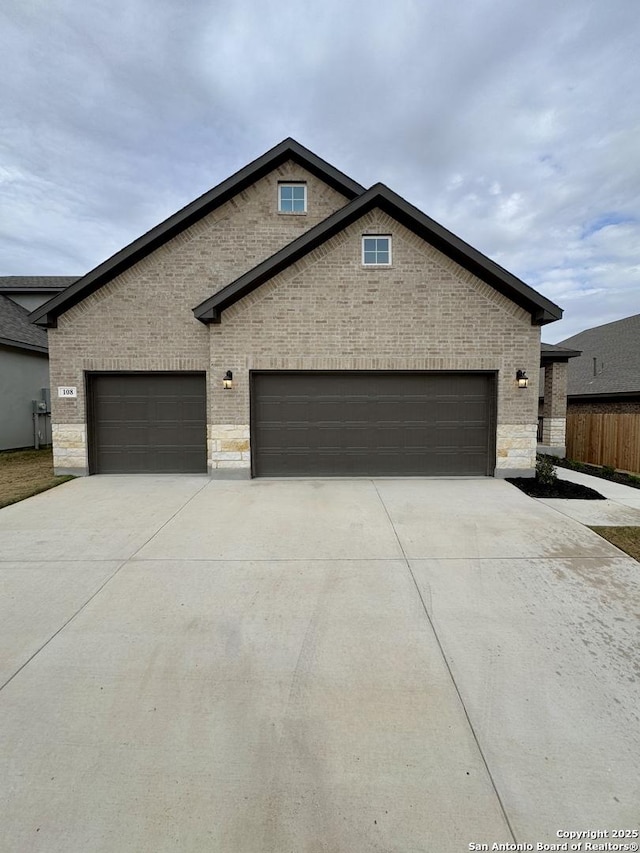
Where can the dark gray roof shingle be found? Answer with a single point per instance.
(16, 330)
(46, 283)
(616, 350)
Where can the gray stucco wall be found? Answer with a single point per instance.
(22, 376)
(30, 301)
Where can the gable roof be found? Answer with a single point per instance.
(379, 196)
(33, 283)
(288, 149)
(17, 331)
(616, 350)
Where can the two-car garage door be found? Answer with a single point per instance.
(302, 423)
(372, 424)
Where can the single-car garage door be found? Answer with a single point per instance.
(372, 424)
(147, 423)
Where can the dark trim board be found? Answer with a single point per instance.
(609, 396)
(359, 202)
(288, 149)
(372, 423)
(8, 342)
(542, 310)
(155, 423)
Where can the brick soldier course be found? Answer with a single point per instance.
(440, 306)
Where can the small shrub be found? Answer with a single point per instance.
(545, 471)
(608, 472)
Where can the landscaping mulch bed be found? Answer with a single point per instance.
(24, 473)
(603, 473)
(559, 489)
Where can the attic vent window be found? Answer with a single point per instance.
(376, 251)
(292, 198)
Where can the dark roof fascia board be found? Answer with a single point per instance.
(608, 395)
(30, 290)
(557, 354)
(542, 310)
(289, 149)
(211, 309)
(7, 342)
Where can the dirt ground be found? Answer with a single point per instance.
(24, 473)
(625, 538)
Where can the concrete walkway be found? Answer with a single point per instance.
(621, 507)
(403, 666)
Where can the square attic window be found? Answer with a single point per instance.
(376, 251)
(292, 198)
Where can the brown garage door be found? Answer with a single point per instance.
(147, 423)
(372, 424)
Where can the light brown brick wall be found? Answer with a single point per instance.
(328, 312)
(143, 320)
(555, 390)
(618, 407)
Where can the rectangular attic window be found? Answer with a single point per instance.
(292, 198)
(376, 251)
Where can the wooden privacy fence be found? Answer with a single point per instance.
(604, 439)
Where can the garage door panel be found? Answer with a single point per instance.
(148, 423)
(372, 424)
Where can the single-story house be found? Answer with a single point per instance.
(290, 322)
(24, 363)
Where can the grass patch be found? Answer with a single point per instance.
(24, 473)
(625, 538)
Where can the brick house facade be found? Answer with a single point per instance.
(232, 283)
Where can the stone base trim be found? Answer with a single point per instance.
(70, 449)
(228, 449)
(554, 431)
(516, 448)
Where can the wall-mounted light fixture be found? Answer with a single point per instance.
(227, 380)
(522, 379)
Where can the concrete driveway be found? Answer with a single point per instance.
(287, 666)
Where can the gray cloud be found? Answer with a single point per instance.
(514, 125)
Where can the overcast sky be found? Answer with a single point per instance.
(516, 125)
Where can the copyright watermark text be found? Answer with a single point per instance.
(583, 840)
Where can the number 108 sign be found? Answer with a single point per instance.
(67, 391)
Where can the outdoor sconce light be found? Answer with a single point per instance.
(522, 379)
(227, 380)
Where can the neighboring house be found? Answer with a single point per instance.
(606, 376)
(290, 322)
(24, 367)
(32, 291)
(603, 395)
